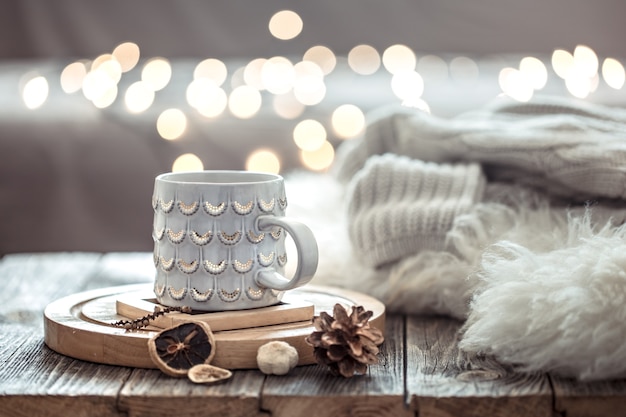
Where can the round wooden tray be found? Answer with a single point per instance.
(80, 326)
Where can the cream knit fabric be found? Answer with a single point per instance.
(567, 148)
(399, 206)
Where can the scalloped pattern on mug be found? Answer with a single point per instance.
(201, 296)
(255, 294)
(159, 289)
(229, 239)
(166, 264)
(201, 239)
(215, 268)
(282, 203)
(276, 233)
(243, 267)
(243, 209)
(282, 259)
(175, 237)
(177, 294)
(254, 238)
(266, 260)
(267, 207)
(229, 296)
(158, 233)
(187, 267)
(166, 207)
(188, 209)
(214, 210)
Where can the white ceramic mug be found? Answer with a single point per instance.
(219, 240)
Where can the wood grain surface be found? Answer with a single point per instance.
(421, 371)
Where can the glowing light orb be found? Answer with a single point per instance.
(171, 124)
(157, 72)
(72, 77)
(309, 135)
(347, 121)
(35, 92)
(278, 75)
(213, 69)
(407, 85)
(562, 61)
(323, 56)
(127, 54)
(263, 160)
(399, 58)
(187, 162)
(244, 101)
(285, 25)
(139, 97)
(515, 85)
(534, 71)
(364, 59)
(319, 159)
(613, 73)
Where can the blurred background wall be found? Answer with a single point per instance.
(235, 28)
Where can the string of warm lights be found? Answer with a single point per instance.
(292, 86)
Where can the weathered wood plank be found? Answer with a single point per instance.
(443, 381)
(573, 398)
(151, 393)
(312, 390)
(35, 381)
(31, 281)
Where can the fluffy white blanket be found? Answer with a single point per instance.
(539, 288)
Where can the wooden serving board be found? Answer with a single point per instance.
(292, 309)
(79, 326)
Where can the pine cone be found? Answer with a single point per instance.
(346, 344)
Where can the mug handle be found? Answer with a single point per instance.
(306, 246)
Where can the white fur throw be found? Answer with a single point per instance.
(539, 289)
(538, 277)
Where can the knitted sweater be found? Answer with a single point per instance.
(432, 170)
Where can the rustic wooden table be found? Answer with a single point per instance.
(422, 372)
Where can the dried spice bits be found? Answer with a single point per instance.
(177, 349)
(346, 344)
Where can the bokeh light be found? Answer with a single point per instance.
(586, 61)
(106, 98)
(139, 97)
(287, 106)
(562, 61)
(252, 73)
(96, 84)
(213, 69)
(263, 160)
(515, 85)
(309, 135)
(323, 56)
(364, 59)
(285, 25)
(127, 54)
(157, 73)
(244, 101)
(72, 77)
(319, 159)
(206, 97)
(348, 121)
(278, 75)
(534, 71)
(399, 58)
(171, 124)
(308, 84)
(407, 85)
(35, 92)
(613, 73)
(187, 162)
